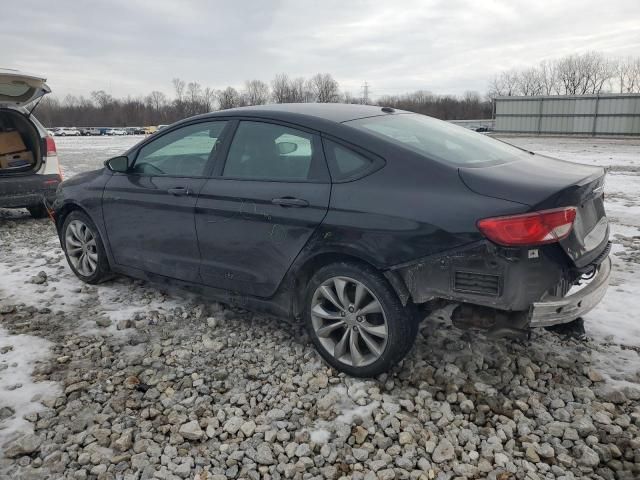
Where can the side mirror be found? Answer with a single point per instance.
(118, 164)
(284, 148)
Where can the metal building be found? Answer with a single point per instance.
(606, 114)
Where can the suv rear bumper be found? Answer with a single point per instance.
(27, 190)
(566, 309)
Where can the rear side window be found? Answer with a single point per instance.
(346, 164)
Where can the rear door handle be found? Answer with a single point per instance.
(179, 191)
(290, 202)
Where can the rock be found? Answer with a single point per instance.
(589, 458)
(40, 278)
(6, 412)
(248, 428)
(531, 455)
(443, 452)
(191, 430)
(25, 445)
(124, 442)
(360, 434)
(595, 376)
(466, 406)
(276, 414)
(360, 454)
(405, 438)
(103, 322)
(233, 425)
(264, 455)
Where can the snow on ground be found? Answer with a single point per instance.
(19, 394)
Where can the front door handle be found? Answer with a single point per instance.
(290, 202)
(179, 191)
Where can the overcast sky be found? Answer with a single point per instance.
(130, 47)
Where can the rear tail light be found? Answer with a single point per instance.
(537, 228)
(51, 146)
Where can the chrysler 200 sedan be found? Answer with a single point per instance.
(348, 218)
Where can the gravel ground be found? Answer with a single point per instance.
(127, 380)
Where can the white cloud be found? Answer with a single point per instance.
(131, 48)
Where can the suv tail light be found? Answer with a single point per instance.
(50, 144)
(537, 228)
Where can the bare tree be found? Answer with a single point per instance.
(157, 100)
(502, 85)
(208, 99)
(325, 89)
(299, 91)
(628, 75)
(228, 98)
(281, 88)
(256, 92)
(529, 82)
(178, 87)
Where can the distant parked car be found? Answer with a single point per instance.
(116, 131)
(356, 220)
(66, 132)
(29, 171)
(150, 130)
(89, 131)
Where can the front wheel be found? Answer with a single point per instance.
(356, 320)
(84, 248)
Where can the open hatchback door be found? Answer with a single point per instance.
(19, 88)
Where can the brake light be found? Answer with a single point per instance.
(537, 228)
(50, 144)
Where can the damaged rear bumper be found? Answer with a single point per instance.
(551, 311)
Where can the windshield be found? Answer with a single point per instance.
(438, 140)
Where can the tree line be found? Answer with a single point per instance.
(589, 73)
(580, 74)
(191, 98)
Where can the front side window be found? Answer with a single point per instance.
(181, 153)
(439, 140)
(266, 151)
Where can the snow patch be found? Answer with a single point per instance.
(17, 389)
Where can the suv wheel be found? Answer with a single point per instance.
(84, 248)
(38, 211)
(356, 320)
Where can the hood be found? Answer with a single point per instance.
(20, 88)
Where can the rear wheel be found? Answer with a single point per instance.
(37, 211)
(356, 320)
(84, 248)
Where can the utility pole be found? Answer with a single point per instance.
(365, 93)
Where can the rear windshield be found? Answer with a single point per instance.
(438, 140)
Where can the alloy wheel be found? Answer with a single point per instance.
(349, 321)
(80, 244)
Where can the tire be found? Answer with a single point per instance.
(80, 232)
(335, 326)
(38, 211)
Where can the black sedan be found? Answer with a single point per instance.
(348, 218)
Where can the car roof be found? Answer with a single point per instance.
(311, 115)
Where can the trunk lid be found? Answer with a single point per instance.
(541, 182)
(19, 88)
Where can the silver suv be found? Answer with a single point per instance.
(29, 169)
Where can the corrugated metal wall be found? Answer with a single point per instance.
(614, 114)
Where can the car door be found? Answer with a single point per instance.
(260, 208)
(149, 211)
